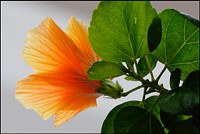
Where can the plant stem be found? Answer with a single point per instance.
(157, 79)
(133, 72)
(145, 84)
(130, 67)
(144, 94)
(137, 68)
(128, 92)
(149, 66)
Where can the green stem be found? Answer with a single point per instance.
(157, 79)
(130, 67)
(145, 84)
(137, 68)
(149, 66)
(132, 90)
(133, 72)
(144, 94)
(154, 85)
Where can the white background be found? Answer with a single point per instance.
(16, 19)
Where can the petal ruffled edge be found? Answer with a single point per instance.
(42, 94)
(78, 32)
(48, 48)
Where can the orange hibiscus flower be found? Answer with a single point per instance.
(60, 85)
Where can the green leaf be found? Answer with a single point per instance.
(179, 101)
(151, 102)
(192, 81)
(175, 78)
(179, 47)
(118, 30)
(143, 67)
(191, 19)
(130, 78)
(108, 124)
(173, 122)
(169, 120)
(185, 126)
(133, 119)
(154, 34)
(103, 69)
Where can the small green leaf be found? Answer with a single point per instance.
(103, 69)
(184, 117)
(131, 78)
(143, 67)
(154, 34)
(179, 101)
(108, 124)
(118, 30)
(175, 78)
(133, 119)
(179, 46)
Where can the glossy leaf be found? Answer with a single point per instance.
(179, 47)
(192, 81)
(108, 124)
(154, 34)
(175, 78)
(133, 119)
(143, 67)
(183, 99)
(103, 69)
(179, 101)
(118, 30)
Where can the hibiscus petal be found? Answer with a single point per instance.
(47, 97)
(38, 95)
(78, 32)
(65, 115)
(48, 48)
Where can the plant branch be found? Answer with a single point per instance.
(130, 67)
(132, 90)
(157, 79)
(136, 76)
(144, 94)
